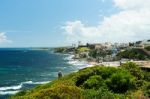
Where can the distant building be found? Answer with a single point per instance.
(82, 45)
(74, 45)
(124, 45)
(145, 43)
(95, 46)
(98, 46)
(79, 43)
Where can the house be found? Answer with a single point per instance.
(95, 46)
(98, 46)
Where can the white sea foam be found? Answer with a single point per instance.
(34, 83)
(8, 92)
(16, 87)
(79, 64)
(44, 82)
(69, 57)
(27, 82)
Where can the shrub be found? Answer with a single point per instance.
(133, 54)
(90, 94)
(147, 90)
(147, 76)
(101, 94)
(83, 75)
(121, 82)
(94, 82)
(106, 72)
(134, 69)
(147, 48)
(83, 49)
(58, 92)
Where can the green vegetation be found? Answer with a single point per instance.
(147, 48)
(136, 54)
(99, 82)
(82, 50)
(99, 52)
(60, 50)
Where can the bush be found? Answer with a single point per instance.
(94, 82)
(134, 69)
(57, 92)
(90, 94)
(82, 76)
(106, 72)
(85, 74)
(148, 91)
(147, 48)
(133, 54)
(101, 94)
(83, 49)
(147, 76)
(121, 82)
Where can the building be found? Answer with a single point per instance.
(95, 46)
(145, 43)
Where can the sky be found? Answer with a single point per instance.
(51, 23)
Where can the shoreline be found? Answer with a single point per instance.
(80, 64)
(142, 63)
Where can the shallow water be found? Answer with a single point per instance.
(22, 69)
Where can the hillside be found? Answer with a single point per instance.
(98, 82)
(136, 54)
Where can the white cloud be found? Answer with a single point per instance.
(131, 23)
(132, 4)
(78, 31)
(4, 39)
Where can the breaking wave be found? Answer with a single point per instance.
(16, 88)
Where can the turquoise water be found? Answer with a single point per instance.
(22, 69)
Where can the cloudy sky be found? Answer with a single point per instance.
(34, 23)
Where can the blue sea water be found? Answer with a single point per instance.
(24, 68)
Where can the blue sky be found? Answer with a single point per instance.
(35, 23)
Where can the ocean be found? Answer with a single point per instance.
(23, 68)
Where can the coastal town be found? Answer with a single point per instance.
(111, 54)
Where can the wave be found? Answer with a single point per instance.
(16, 88)
(35, 83)
(79, 64)
(75, 62)
(8, 92)
(69, 57)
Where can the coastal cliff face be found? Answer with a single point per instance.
(98, 82)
